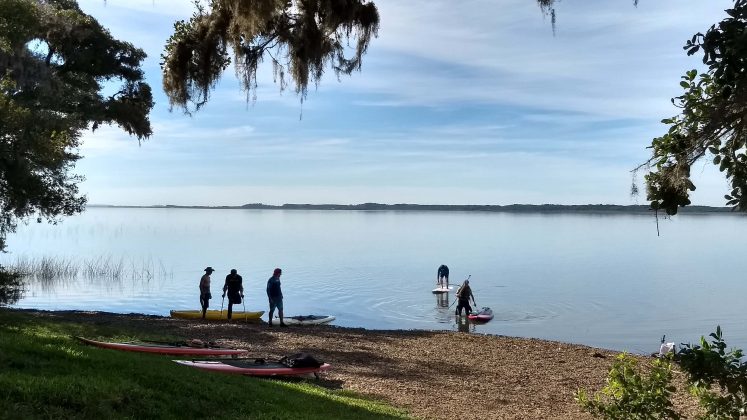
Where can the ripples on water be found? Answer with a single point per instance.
(606, 281)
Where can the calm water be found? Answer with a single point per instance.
(605, 281)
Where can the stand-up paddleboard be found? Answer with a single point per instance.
(254, 367)
(304, 319)
(214, 315)
(442, 289)
(483, 315)
(165, 348)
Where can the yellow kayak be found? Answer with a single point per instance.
(214, 315)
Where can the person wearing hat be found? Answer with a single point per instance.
(463, 294)
(235, 289)
(205, 295)
(275, 296)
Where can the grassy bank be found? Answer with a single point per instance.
(48, 374)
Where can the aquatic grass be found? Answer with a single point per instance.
(49, 374)
(94, 268)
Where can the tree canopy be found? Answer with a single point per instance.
(55, 61)
(713, 118)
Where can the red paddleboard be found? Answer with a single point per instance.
(251, 367)
(485, 314)
(158, 348)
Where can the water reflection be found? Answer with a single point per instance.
(463, 324)
(442, 300)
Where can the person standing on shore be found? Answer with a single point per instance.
(235, 289)
(275, 296)
(463, 294)
(443, 274)
(205, 295)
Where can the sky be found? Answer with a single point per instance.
(458, 102)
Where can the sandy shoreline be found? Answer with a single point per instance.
(432, 374)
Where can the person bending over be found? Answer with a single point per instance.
(443, 275)
(235, 290)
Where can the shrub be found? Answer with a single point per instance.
(630, 395)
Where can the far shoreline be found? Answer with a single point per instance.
(488, 208)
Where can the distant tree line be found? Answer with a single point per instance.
(511, 208)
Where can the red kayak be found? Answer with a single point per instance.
(165, 348)
(252, 367)
(483, 315)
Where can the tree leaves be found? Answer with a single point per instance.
(713, 118)
(47, 100)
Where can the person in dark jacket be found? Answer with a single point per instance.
(235, 290)
(463, 294)
(205, 295)
(443, 274)
(275, 296)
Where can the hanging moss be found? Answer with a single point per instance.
(301, 38)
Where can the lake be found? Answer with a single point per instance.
(600, 280)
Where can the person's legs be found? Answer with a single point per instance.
(280, 311)
(272, 312)
(468, 308)
(458, 308)
(204, 302)
(230, 308)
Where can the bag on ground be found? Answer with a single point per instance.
(301, 360)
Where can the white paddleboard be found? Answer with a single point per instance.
(443, 289)
(304, 319)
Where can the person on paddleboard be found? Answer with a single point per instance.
(443, 275)
(205, 295)
(275, 296)
(464, 294)
(233, 286)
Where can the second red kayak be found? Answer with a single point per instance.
(253, 367)
(484, 315)
(165, 348)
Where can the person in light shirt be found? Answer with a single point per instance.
(205, 295)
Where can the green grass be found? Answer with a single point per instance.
(45, 373)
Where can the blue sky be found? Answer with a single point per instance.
(458, 102)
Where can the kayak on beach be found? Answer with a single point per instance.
(214, 315)
(484, 315)
(194, 348)
(304, 319)
(253, 367)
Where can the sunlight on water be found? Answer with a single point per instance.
(605, 281)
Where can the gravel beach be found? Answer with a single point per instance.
(432, 374)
